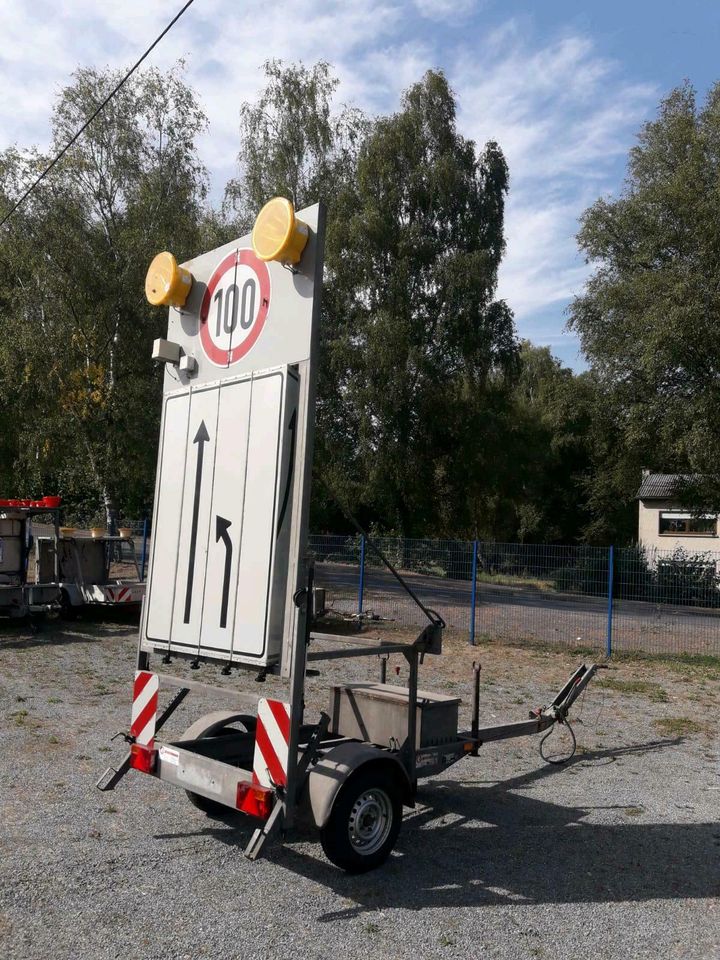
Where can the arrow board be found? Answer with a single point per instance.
(220, 547)
(229, 533)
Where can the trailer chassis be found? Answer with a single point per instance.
(213, 760)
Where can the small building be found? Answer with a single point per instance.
(665, 524)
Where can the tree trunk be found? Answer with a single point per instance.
(111, 516)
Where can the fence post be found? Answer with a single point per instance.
(143, 556)
(611, 572)
(361, 581)
(473, 596)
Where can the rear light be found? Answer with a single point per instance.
(142, 758)
(254, 799)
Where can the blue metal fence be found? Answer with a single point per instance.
(606, 598)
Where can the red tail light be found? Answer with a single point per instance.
(142, 758)
(254, 799)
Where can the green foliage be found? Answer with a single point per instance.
(76, 381)
(416, 348)
(648, 319)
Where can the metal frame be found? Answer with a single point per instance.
(215, 767)
(212, 767)
(33, 594)
(83, 593)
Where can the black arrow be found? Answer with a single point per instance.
(221, 531)
(201, 438)
(292, 428)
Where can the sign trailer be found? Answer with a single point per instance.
(228, 580)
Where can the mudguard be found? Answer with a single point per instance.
(330, 773)
(212, 722)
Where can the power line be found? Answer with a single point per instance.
(102, 106)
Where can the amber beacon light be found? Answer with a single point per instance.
(167, 284)
(278, 234)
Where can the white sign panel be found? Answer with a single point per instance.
(221, 518)
(231, 499)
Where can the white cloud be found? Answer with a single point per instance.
(453, 10)
(564, 118)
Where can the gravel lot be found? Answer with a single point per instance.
(616, 855)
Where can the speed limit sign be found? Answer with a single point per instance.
(234, 307)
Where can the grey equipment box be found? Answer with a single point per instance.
(378, 713)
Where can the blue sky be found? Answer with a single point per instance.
(563, 86)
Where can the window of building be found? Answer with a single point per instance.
(686, 525)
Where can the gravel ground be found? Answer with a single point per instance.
(615, 855)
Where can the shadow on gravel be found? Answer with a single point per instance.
(59, 633)
(470, 845)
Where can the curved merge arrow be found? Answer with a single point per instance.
(292, 427)
(221, 533)
(201, 438)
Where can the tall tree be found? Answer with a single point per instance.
(648, 319)
(546, 450)
(75, 331)
(418, 346)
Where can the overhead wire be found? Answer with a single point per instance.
(76, 136)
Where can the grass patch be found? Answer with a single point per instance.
(677, 726)
(689, 663)
(643, 687)
(505, 580)
(19, 717)
(633, 811)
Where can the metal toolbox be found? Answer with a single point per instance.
(377, 712)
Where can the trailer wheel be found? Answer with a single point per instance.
(364, 822)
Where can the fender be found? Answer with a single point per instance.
(212, 722)
(330, 773)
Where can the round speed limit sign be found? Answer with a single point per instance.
(234, 308)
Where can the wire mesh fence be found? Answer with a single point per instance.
(607, 599)
(623, 599)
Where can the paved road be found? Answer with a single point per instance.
(504, 611)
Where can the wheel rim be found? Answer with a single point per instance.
(370, 821)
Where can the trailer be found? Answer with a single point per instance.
(19, 596)
(93, 571)
(230, 585)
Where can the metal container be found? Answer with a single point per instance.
(12, 528)
(378, 713)
(81, 560)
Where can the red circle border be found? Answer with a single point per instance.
(224, 358)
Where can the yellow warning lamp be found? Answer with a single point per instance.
(278, 234)
(167, 284)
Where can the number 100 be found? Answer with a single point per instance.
(239, 304)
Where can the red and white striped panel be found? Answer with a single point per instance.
(272, 737)
(118, 594)
(144, 708)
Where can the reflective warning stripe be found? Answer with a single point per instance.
(144, 707)
(119, 595)
(272, 737)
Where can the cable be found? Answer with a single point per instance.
(432, 615)
(87, 123)
(561, 760)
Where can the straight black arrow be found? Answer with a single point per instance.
(221, 532)
(201, 438)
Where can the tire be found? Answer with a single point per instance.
(211, 807)
(364, 822)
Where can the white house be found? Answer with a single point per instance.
(664, 524)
